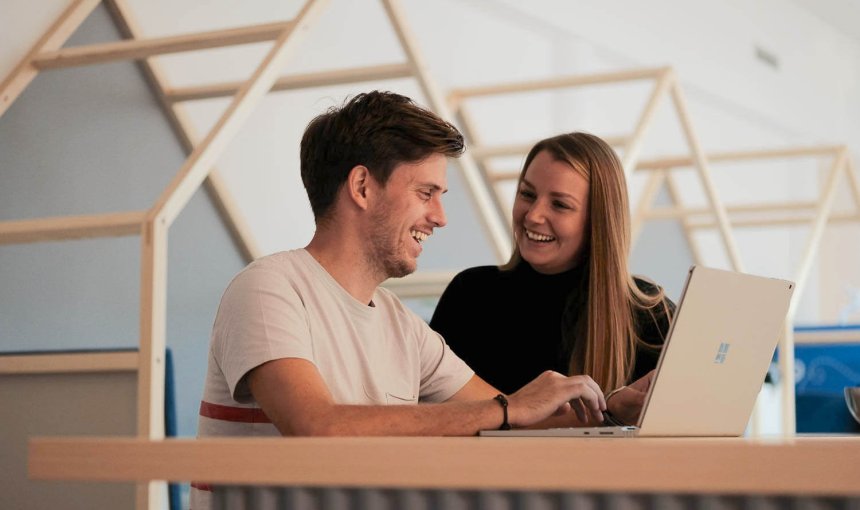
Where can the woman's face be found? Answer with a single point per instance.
(550, 215)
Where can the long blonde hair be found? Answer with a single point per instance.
(609, 350)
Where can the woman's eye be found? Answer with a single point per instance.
(561, 205)
(526, 193)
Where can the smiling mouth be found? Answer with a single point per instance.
(540, 238)
(419, 236)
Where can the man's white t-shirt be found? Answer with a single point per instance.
(287, 305)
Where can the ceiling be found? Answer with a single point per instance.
(844, 15)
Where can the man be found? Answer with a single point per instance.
(306, 343)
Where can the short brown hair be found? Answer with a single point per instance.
(379, 130)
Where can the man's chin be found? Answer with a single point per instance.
(402, 269)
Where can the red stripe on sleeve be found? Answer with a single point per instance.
(234, 414)
(201, 486)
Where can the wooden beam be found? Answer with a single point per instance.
(805, 220)
(71, 227)
(675, 196)
(199, 163)
(153, 345)
(704, 173)
(456, 95)
(142, 48)
(646, 198)
(465, 121)
(494, 225)
(853, 181)
(822, 214)
(681, 212)
(511, 175)
(54, 38)
(665, 80)
(687, 161)
(498, 151)
(77, 362)
(785, 362)
(153, 330)
(786, 344)
(228, 209)
(417, 285)
(183, 128)
(296, 82)
(827, 337)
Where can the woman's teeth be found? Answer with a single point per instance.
(534, 236)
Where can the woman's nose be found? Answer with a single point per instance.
(535, 213)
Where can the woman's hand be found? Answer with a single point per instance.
(626, 404)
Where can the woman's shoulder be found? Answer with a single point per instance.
(478, 271)
(653, 320)
(478, 274)
(484, 281)
(650, 288)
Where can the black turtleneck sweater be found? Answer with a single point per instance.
(507, 325)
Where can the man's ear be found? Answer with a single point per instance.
(357, 183)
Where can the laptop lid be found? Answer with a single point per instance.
(721, 342)
(713, 363)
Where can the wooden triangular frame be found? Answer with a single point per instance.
(665, 82)
(153, 224)
(816, 214)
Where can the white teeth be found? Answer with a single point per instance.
(418, 235)
(534, 236)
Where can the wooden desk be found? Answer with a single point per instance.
(810, 466)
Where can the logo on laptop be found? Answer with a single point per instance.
(720, 358)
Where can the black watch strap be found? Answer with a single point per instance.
(503, 401)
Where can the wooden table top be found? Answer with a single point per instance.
(825, 465)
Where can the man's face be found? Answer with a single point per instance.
(409, 209)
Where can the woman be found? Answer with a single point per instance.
(565, 301)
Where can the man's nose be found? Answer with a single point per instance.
(437, 213)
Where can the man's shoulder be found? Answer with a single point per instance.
(282, 270)
(284, 263)
(387, 299)
(277, 261)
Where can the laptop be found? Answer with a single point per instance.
(714, 360)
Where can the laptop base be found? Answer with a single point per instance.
(620, 431)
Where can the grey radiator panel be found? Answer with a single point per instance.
(291, 498)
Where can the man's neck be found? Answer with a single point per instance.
(346, 263)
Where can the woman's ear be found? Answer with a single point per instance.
(357, 183)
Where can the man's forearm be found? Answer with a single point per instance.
(446, 419)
